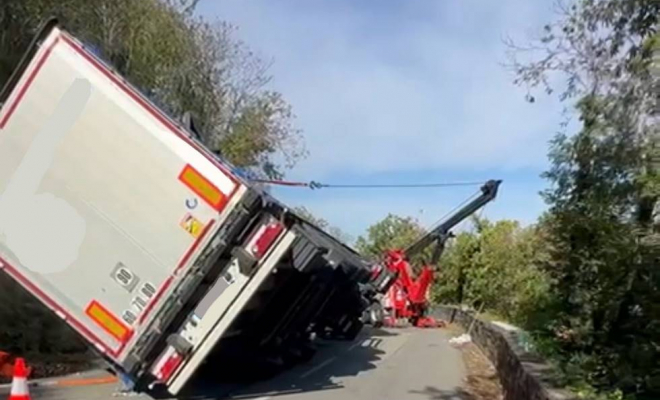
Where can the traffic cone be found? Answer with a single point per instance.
(19, 385)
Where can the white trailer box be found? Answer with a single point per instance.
(148, 245)
(105, 202)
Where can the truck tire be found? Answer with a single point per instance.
(376, 315)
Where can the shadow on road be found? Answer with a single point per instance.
(379, 333)
(433, 393)
(334, 360)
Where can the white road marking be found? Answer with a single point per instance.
(318, 367)
(370, 342)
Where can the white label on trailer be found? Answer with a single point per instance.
(139, 304)
(125, 277)
(129, 316)
(148, 290)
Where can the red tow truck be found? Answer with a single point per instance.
(406, 301)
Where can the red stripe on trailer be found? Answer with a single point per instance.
(169, 280)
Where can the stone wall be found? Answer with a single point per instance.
(523, 375)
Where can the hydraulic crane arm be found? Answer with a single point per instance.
(407, 298)
(440, 233)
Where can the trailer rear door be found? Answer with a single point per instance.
(104, 201)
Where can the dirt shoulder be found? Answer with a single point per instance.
(481, 381)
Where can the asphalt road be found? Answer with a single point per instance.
(401, 364)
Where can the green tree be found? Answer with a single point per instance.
(601, 231)
(495, 258)
(393, 232)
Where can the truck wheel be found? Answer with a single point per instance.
(376, 315)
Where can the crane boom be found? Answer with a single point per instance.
(407, 298)
(441, 232)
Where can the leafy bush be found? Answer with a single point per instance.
(495, 259)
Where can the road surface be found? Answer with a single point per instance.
(396, 364)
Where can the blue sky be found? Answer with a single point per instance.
(403, 91)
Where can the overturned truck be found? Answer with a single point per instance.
(152, 248)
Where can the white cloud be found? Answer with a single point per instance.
(419, 88)
(403, 90)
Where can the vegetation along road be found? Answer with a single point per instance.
(583, 278)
